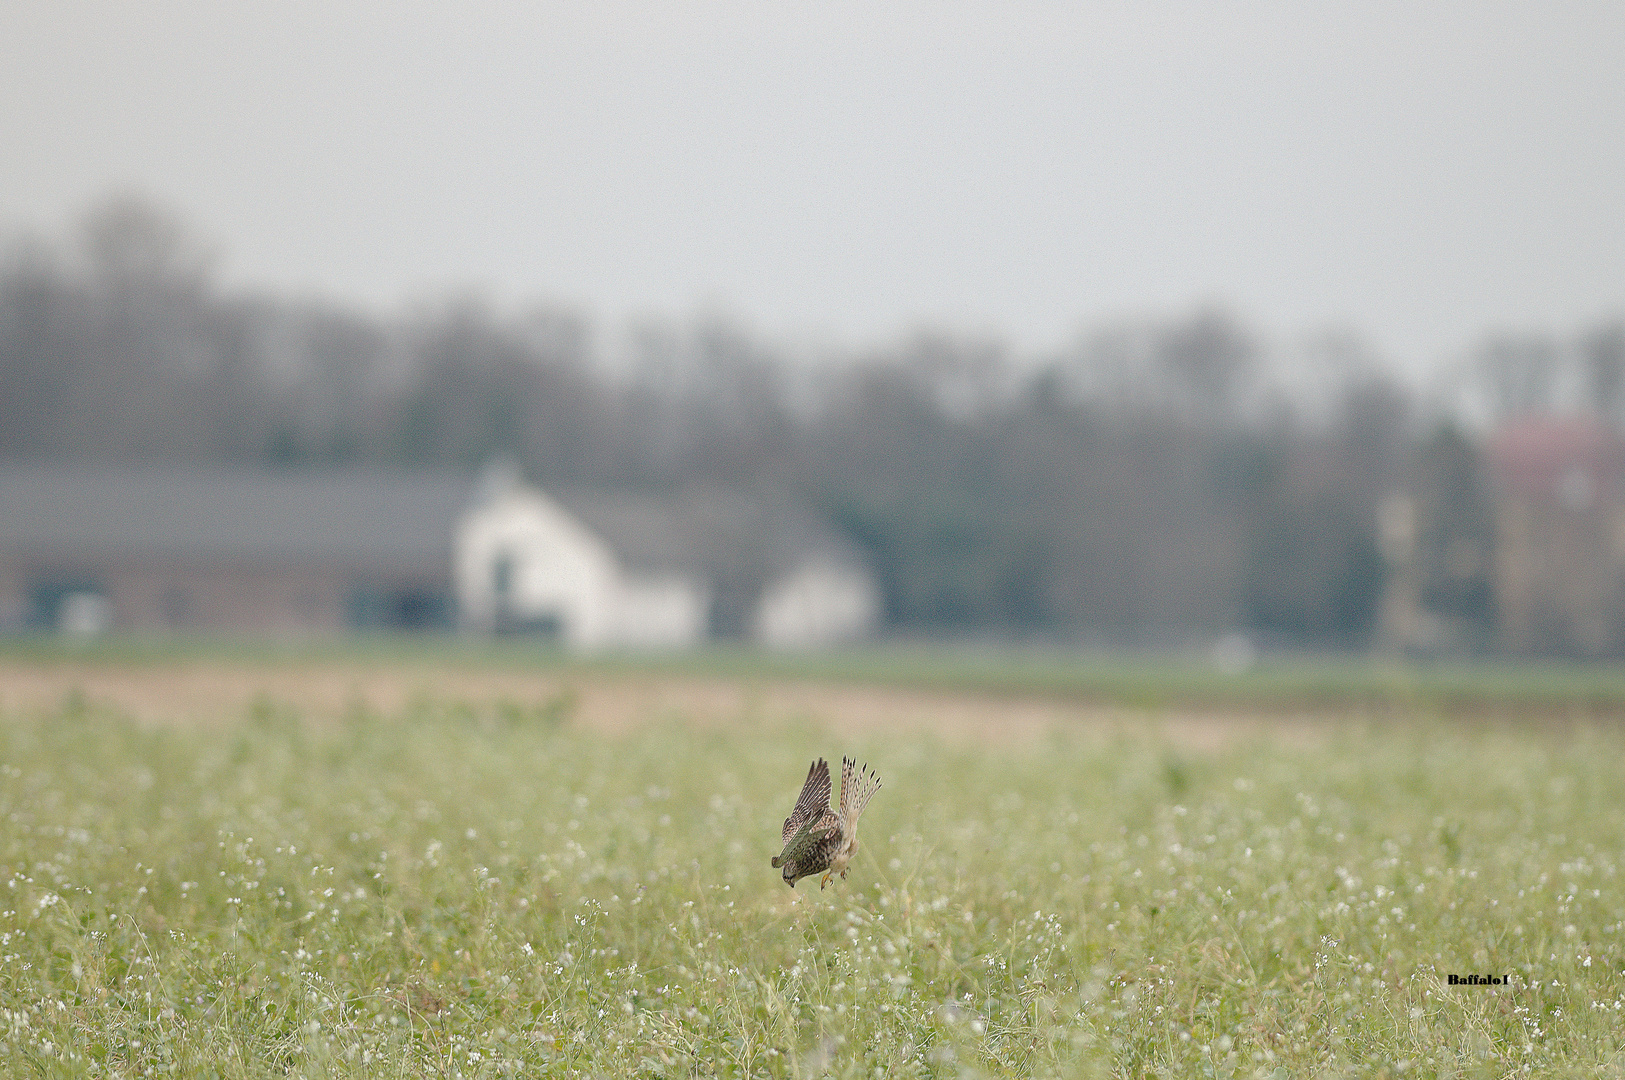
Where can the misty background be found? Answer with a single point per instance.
(1156, 479)
(1112, 323)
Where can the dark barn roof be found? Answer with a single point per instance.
(388, 522)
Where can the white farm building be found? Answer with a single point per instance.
(615, 569)
(203, 550)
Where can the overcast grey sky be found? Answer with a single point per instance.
(1422, 172)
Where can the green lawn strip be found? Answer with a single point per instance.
(1284, 683)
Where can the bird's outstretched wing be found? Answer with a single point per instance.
(807, 838)
(814, 800)
(857, 788)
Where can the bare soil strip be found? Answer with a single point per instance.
(220, 691)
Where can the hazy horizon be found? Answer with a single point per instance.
(848, 173)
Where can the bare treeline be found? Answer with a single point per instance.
(1155, 480)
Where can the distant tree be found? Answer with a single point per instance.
(1519, 374)
(1198, 367)
(1455, 533)
(711, 405)
(1313, 571)
(479, 386)
(1206, 360)
(1315, 574)
(42, 334)
(1603, 353)
(149, 350)
(138, 251)
(1373, 430)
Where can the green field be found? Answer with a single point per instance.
(490, 888)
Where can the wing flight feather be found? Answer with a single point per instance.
(857, 788)
(814, 800)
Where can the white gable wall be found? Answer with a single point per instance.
(661, 613)
(558, 570)
(817, 603)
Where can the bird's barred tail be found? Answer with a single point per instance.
(857, 788)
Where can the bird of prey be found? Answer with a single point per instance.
(818, 839)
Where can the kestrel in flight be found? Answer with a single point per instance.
(817, 838)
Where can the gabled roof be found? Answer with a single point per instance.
(705, 527)
(733, 542)
(354, 520)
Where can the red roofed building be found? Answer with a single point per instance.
(1559, 487)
